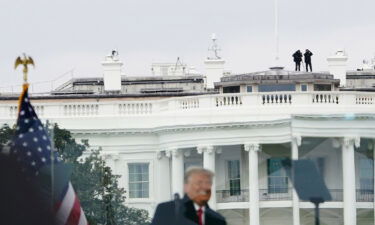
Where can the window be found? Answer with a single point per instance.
(231, 89)
(138, 180)
(234, 177)
(366, 175)
(303, 87)
(277, 178)
(249, 88)
(322, 87)
(276, 87)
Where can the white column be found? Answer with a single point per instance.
(209, 163)
(177, 171)
(163, 183)
(253, 149)
(296, 141)
(348, 167)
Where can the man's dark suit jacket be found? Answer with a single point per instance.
(184, 214)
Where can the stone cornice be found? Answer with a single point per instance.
(182, 128)
(340, 117)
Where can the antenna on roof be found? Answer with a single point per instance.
(276, 31)
(179, 63)
(276, 65)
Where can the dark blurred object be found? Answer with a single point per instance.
(308, 55)
(307, 182)
(20, 202)
(164, 214)
(297, 58)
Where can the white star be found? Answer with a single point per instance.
(18, 127)
(30, 109)
(39, 149)
(27, 120)
(43, 159)
(35, 139)
(44, 137)
(36, 173)
(31, 129)
(40, 128)
(26, 100)
(29, 153)
(34, 118)
(48, 147)
(33, 163)
(22, 113)
(20, 136)
(24, 144)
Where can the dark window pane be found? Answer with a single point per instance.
(276, 87)
(231, 89)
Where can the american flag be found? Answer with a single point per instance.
(32, 148)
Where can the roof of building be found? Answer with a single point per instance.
(277, 75)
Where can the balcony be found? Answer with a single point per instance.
(226, 196)
(283, 194)
(363, 195)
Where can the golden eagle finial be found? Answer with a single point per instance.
(25, 61)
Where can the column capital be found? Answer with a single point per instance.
(297, 139)
(350, 141)
(252, 147)
(113, 156)
(172, 152)
(209, 149)
(159, 154)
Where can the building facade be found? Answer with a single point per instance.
(150, 139)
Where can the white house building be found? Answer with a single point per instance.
(152, 128)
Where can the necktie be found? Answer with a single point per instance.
(200, 216)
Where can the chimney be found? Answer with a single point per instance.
(214, 65)
(337, 66)
(112, 72)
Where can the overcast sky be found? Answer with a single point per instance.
(76, 35)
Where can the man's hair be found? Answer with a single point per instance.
(194, 170)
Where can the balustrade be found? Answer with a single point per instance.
(135, 108)
(81, 110)
(328, 98)
(203, 102)
(276, 98)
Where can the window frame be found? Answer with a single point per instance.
(128, 183)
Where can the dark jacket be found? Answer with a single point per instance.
(185, 214)
(308, 55)
(297, 56)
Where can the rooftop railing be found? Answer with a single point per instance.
(289, 101)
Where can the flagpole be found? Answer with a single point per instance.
(51, 131)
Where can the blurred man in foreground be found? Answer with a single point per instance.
(193, 208)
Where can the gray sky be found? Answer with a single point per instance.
(77, 34)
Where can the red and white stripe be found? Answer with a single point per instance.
(70, 211)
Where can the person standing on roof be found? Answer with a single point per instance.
(297, 58)
(308, 55)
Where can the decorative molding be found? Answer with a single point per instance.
(159, 155)
(208, 149)
(252, 147)
(168, 153)
(218, 149)
(181, 128)
(113, 156)
(297, 139)
(350, 141)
